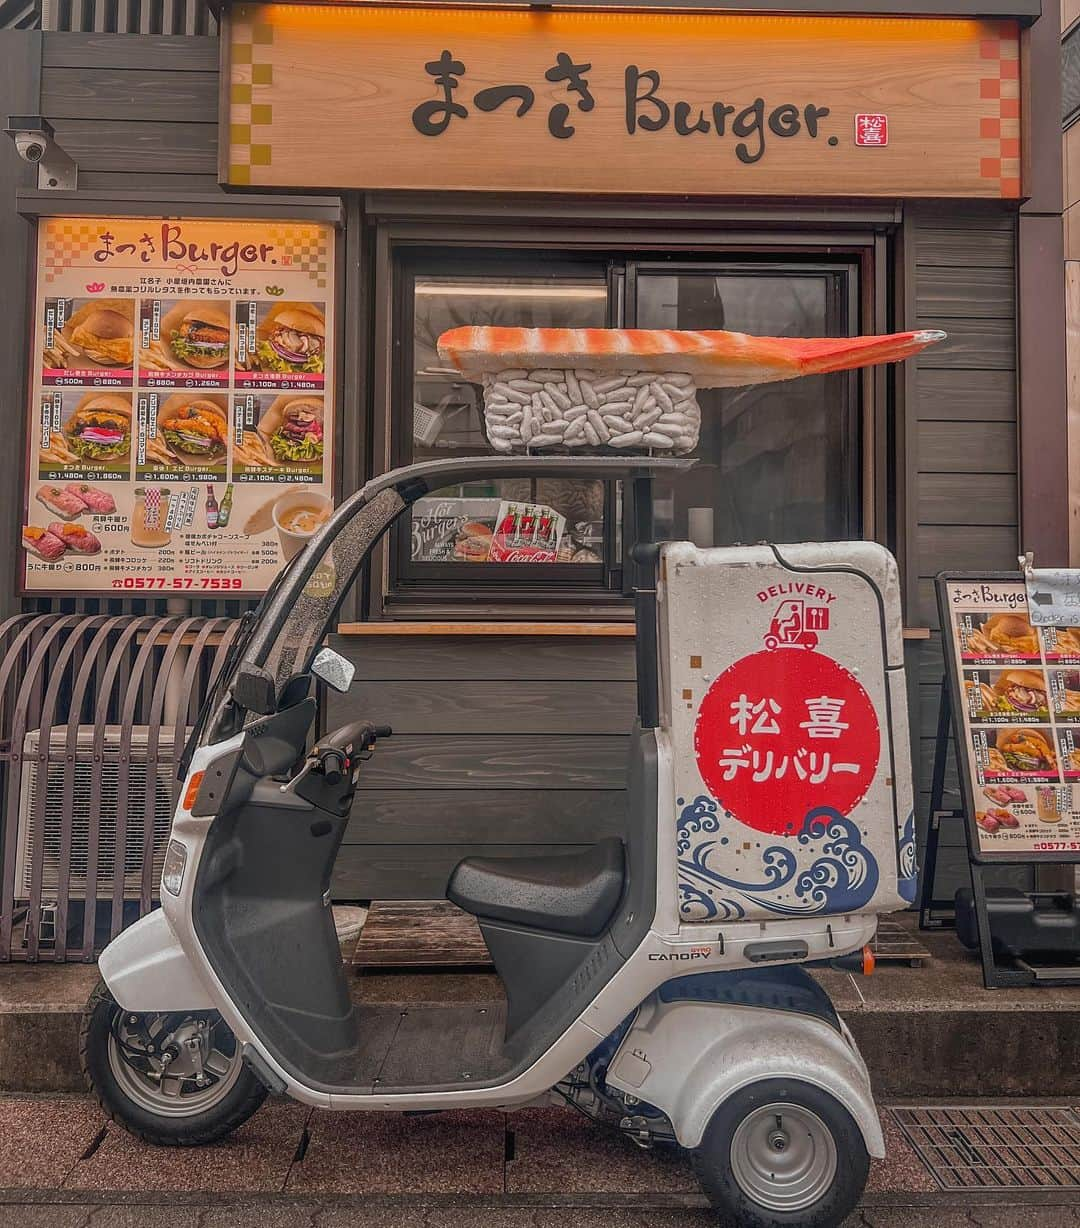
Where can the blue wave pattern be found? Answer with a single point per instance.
(833, 871)
(907, 879)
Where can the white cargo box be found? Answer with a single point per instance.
(782, 690)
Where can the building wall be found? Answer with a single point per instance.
(962, 448)
(1070, 28)
(516, 743)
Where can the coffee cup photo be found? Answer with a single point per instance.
(298, 515)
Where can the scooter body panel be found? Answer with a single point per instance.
(147, 969)
(667, 951)
(687, 1058)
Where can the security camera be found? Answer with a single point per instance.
(35, 142)
(31, 146)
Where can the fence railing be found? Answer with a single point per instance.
(94, 715)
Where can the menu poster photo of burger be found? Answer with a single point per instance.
(1062, 644)
(1019, 752)
(95, 436)
(186, 341)
(1007, 695)
(97, 336)
(1001, 636)
(287, 344)
(192, 436)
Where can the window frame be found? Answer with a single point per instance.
(429, 580)
(863, 237)
(855, 429)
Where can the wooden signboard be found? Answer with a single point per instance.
(360, 96)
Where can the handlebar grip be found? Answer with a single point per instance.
(382, 731)
(333, 767)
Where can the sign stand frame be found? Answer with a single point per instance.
(995, 975)
(934, 913)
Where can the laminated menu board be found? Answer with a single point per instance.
(1015, 691)
(181, 410)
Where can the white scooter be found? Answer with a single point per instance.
(657, 983)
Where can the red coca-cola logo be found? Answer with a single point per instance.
(780, 733)
(520, 554)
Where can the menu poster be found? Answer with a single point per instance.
(182, 404)
(1016, 716)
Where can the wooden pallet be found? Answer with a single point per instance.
(895, 944)
(419, 933)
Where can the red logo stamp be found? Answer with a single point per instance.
(871, 130)
(780, 733)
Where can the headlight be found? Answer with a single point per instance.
(172, 874)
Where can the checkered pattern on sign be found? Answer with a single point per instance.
(303, 249)
(249, 117)
(68, 241)
(1000, 94)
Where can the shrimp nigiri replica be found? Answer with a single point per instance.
(636, 388)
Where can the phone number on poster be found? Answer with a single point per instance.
(210, 582)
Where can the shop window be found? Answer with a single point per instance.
(778, 462)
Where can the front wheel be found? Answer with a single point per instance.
(782, 1152)
(177, 1079)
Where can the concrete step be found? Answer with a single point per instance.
(924, 1031)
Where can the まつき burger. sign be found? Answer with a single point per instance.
(180, 423)
(444, 99)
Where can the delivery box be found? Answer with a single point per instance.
(783, 694)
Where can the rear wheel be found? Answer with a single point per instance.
(176, 1079)
(782, 1152)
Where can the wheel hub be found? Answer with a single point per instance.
(173, 1064)
(783, 1157)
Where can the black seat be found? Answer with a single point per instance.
(574, 893)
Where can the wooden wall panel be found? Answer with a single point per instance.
(20, 58)
(126, 104)
(963, 418)
(509, 745)
(474, 706)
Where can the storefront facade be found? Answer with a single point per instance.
(798, 175)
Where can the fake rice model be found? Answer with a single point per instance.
(656, 981)
(635, 389)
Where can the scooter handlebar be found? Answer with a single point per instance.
(356, 737)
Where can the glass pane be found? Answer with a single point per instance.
(520, 521)
(777, 459)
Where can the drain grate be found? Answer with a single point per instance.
(993, 1147)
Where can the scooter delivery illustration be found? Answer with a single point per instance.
(658, 983)
(795, 625)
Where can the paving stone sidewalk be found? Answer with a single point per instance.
(63, 1166)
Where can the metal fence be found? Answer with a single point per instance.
(94, 714)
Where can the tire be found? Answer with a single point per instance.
(125, 1088)
(827, 1160)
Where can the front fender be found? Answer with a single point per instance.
(146, 969)
(687, 1058)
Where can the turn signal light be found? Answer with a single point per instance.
(192, 790)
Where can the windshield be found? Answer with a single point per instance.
(288, 629)
(307, 618)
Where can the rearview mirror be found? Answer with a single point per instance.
(254, 689)
(334, 669)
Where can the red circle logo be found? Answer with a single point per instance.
(781, 732)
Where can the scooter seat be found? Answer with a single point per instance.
(573, 893)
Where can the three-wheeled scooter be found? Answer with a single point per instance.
(657, 983)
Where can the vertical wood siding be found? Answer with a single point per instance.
(964, 419)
